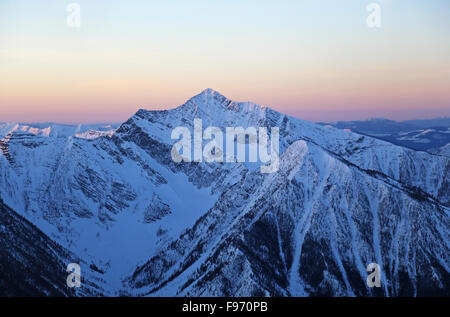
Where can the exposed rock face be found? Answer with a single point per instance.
(156, 210)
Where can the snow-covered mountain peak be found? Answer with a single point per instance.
(209, 93)
(209, 100)
(213, 102)
(211, 106)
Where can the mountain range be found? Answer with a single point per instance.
(431, 135)
(111, 199)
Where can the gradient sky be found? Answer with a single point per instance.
(315, 59)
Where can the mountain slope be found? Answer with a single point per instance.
(31, 264)
(310, 229)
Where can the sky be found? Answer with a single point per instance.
(314, 59)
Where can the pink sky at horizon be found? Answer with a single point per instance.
(303, 61)
(118, 111)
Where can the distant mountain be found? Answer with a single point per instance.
(423, 135)
(375, 126)
(430, 123)
(57, 130)
(144, 225)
